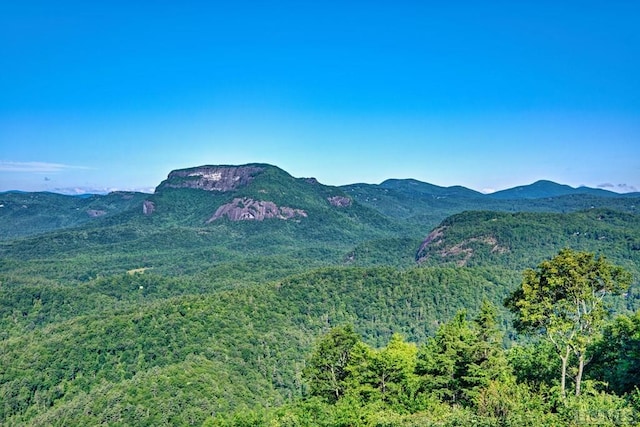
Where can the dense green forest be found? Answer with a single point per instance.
(401, 304)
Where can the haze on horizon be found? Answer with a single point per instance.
(115, 95)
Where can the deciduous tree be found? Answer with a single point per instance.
(326, 369)
(562, 300)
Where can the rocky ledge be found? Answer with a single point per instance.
(246, 209)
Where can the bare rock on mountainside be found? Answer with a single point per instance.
(434, 245)
(246, 209)
(434, 238)
(148, 207)
(212, 178)
(339, 201)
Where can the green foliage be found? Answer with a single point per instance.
(380, 301)
(616, 357)
(562, 300)
(524, 239)
(386, 375)
(445, 361)
(233, 331)
(463, 358)
(382, 389)
(27, 214)
(535, 363)
(424, 204)
(165, 319)
(185, 393)
(598, 408)
(326, 370)
(394, 252)
(64, 342)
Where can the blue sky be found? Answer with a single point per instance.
(489, 95)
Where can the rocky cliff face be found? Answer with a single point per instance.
(148, 207)
(461, 252)
(246, 209)
(212, 178)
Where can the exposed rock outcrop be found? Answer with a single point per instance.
(461, 253)
(212, 178)
(434, 239)
(148, 207)
(246, 209)
(339, 201)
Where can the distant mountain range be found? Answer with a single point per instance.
(536, 190)
(261, 191)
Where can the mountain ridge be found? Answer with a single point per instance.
(538, 189)
(262, 191)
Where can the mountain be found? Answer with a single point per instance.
(227, 213)
(544, 189)
(412, 202)
(211, 215)
(417, 203)
(252, 192)
(206, 296)
(415, 187)
(537, 190)
(261, 191)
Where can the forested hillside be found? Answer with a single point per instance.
(523, 239)
(214, 301)
(24, 214)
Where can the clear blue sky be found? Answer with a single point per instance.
(114, 94)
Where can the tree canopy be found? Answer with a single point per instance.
(562, 300)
